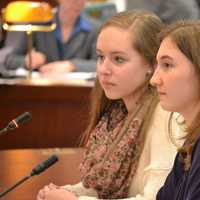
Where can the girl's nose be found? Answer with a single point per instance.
(156, 79)
(105, 67)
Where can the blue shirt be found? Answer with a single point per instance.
(181, 185)
(81, 25)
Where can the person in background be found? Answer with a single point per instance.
(169, 10)
(198, 2)
(128, 150)
(71, 47)
(177, 79)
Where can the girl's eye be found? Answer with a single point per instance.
(166, 65)
(119, 60)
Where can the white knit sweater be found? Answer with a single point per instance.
(155, 162)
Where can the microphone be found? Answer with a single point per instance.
(21, 119)
(43, 166)
(35, 171)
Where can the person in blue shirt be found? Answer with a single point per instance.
(177, 79)
(71, 47)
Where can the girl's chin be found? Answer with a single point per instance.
(167, 107)
(112, 96)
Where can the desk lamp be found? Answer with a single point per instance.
(28, 16)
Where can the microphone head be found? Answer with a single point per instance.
(44, 165)
(23, 118)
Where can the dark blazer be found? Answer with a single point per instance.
(80, 49)
(180, 185)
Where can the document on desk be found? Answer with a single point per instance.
(69, 75)
(21, 72)
(13, 76)
(81, 75)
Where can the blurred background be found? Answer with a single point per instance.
(51, 75)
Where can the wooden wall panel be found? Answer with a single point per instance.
(59, 115)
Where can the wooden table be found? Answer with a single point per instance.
(59, 113)
(16, 164)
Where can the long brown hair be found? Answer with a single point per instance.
(144, 26)
(186, 36)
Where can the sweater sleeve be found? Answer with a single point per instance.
(80, 191)
(155, 180)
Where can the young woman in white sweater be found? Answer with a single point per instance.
(128, 152)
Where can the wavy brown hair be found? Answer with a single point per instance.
(144, 26)
(186, 36)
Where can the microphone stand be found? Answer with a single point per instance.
(35, 171)
(15, 185)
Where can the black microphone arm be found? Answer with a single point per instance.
(21, 119)
(35, 171)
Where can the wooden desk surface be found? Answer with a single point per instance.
(59, 114)
(15, 164)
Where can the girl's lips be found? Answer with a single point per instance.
(108, 83)
(161, 93)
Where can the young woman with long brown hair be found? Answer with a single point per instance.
(177, 78)
(127, 125)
